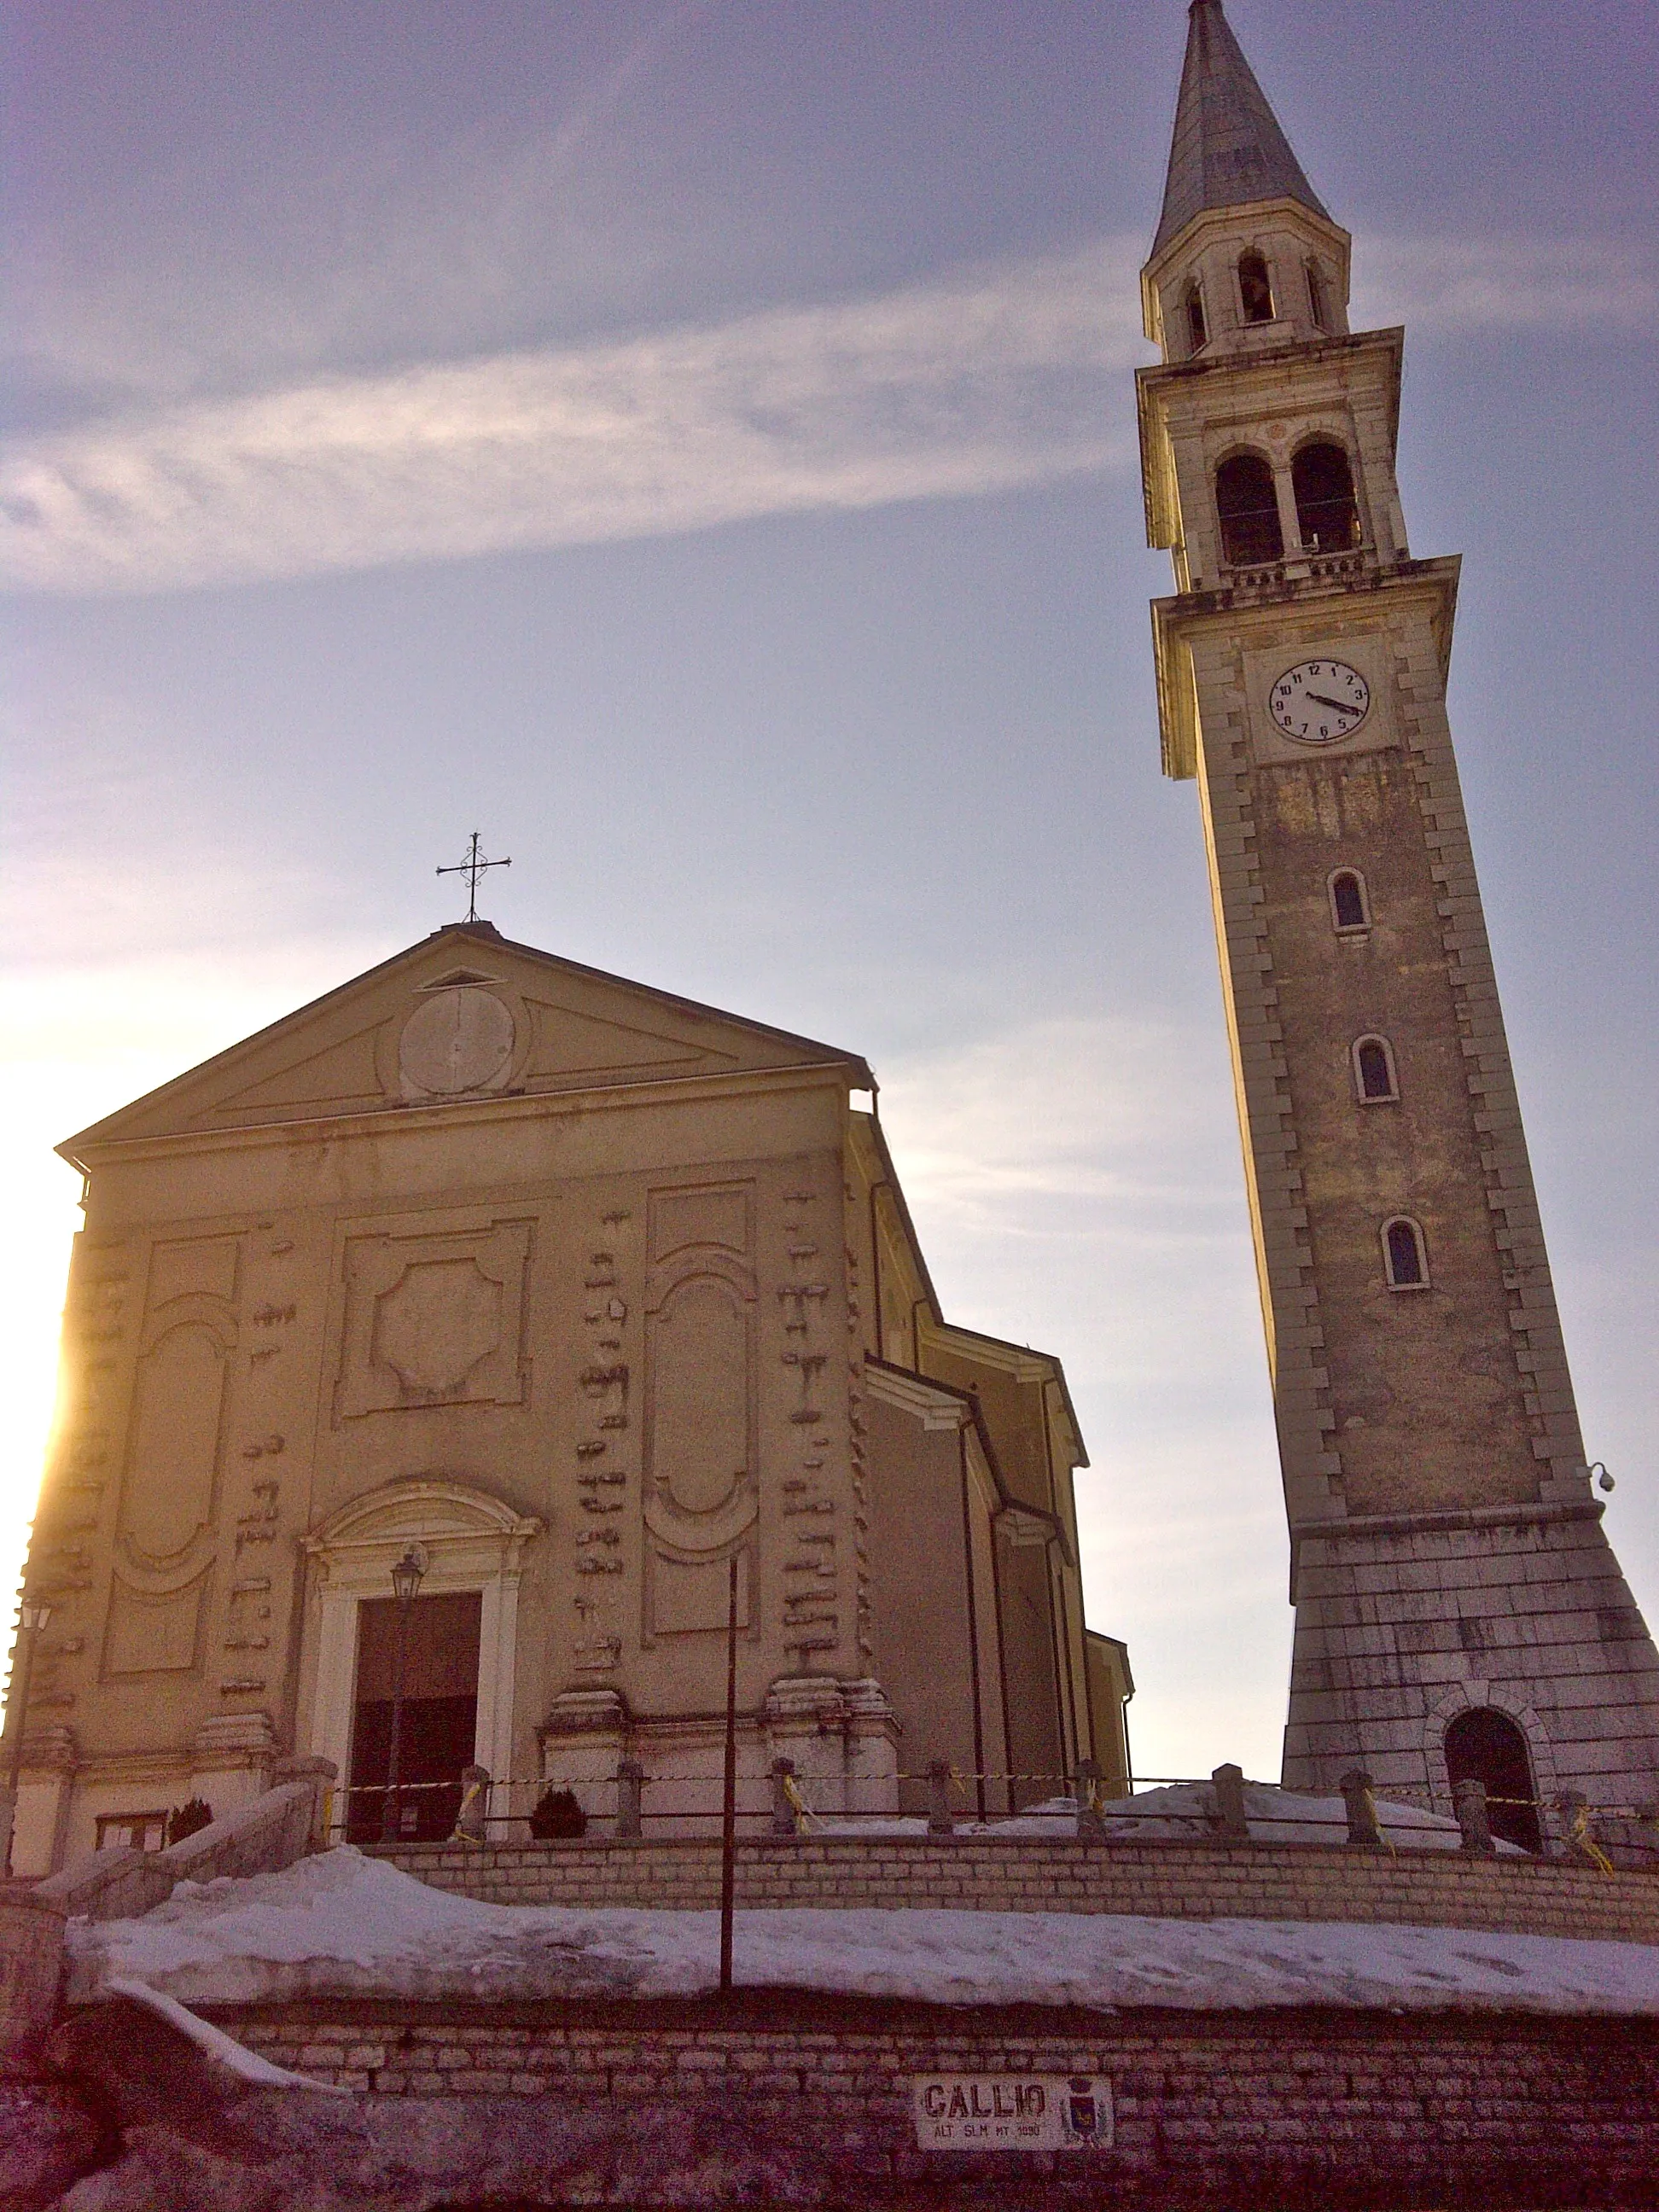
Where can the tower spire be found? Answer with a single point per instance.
(1227, 146)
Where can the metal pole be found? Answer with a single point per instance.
(729, 1803)
(28, 1632)
(391, 1808)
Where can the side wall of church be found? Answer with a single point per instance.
(1019, 1395)
(934, 1623)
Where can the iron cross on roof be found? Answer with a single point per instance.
(474, 865)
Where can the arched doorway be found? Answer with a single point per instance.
(439, 1731)
(1485, 1745)
(462, 1631)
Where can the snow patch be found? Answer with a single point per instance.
(225, 2048)
(339, 1924)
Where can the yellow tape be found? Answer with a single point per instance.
(798, 1804)
(1585, 1842)
(1370, 1808)
(461, 1836)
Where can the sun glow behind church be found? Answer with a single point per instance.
(77, 1046)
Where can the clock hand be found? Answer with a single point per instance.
(1342, 706)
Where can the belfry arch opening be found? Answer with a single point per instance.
(1485, 1745)
(1246, 505)
(1326, 512)
(1255, 291)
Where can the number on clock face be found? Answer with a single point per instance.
(1318, 701)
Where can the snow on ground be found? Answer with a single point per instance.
(339, 1924)
(1274, 1816)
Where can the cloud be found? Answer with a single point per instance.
(944, 390)
(1075, 1183)
(1554, 285)
(1011, 378)
(376, 253)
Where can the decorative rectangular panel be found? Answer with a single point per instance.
(153, 1633)
(688, 1596)
(717, 1215)
(434, 1320)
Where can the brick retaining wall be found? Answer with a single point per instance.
(31, 1963)
(1318, 2107)
(1178, 1881)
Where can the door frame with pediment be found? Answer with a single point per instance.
(472, 1541)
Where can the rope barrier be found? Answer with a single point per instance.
(1116, 1813)
(1115, 1808)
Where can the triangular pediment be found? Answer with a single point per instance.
(462, 1016)
(566, 1042)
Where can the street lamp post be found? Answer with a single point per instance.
(32, 1618)
(405, 1581)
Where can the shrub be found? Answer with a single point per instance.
(557, 1815)
(185, 1819)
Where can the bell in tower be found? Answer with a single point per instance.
(1459, 1612)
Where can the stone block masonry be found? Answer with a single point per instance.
(778, 2098)
(1403, 1625)
(1164, 1881)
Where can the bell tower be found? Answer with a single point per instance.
(1459, 1610)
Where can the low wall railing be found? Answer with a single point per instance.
(478, 1808)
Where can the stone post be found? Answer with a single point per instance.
(630, 1776)
(470, 1821)
(322, 1774)
(1470, 1803)
(785, 1821)
(1232, 1823)
(1364, 1832)
(1091, 1827)
(940, 1821)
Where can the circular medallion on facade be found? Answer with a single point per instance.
(458, 1040)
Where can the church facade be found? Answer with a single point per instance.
(1459, 1611)
(594, 1301)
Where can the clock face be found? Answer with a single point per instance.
(1318, 701)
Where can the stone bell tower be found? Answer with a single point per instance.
(1458, 1608)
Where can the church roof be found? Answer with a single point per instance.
(1228, 148)
(577, 1029)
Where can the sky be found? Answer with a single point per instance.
(693, 445)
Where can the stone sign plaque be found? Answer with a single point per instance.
(1011, 2112)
